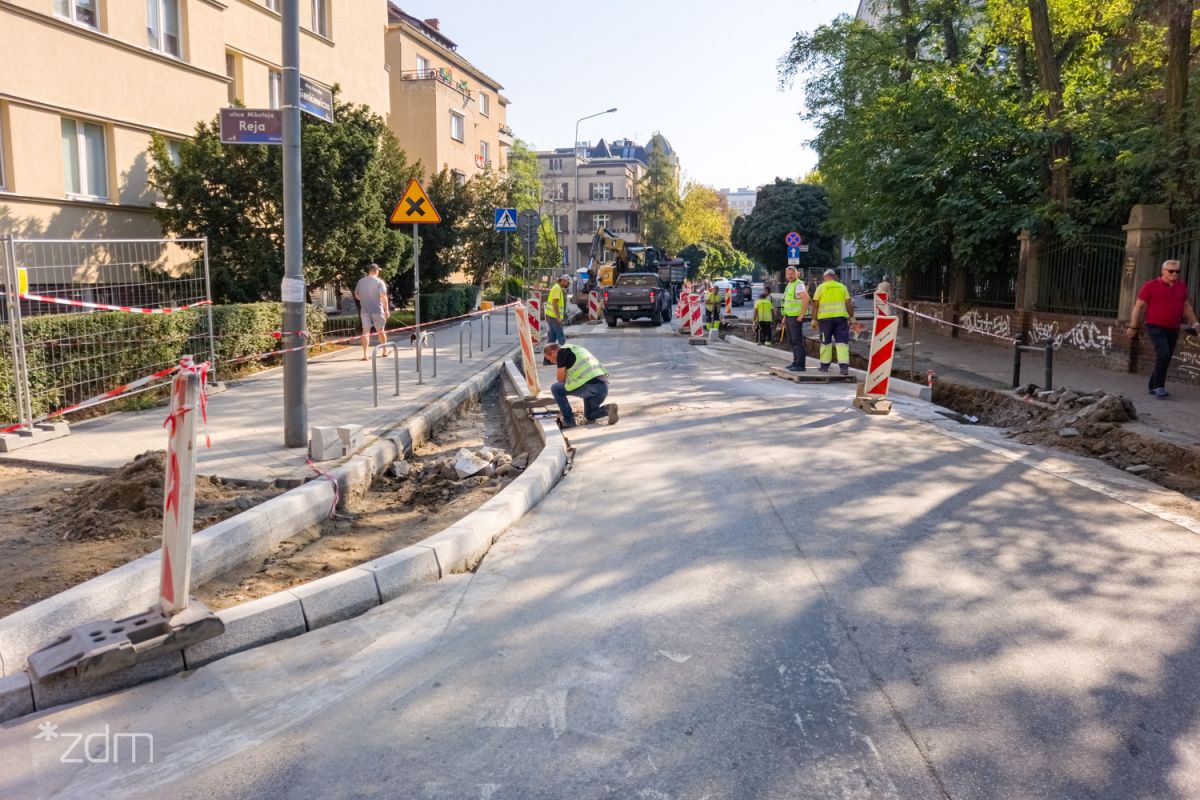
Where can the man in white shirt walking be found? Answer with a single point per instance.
(371, 293)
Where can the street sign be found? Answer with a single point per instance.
(803, 248)
(316, 99)
(251, 126)
(794, 254)
(414, 208)
(528, 223)
(506, 219)
(793, 239)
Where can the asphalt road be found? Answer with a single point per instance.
(746, 589)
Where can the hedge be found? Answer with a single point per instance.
(71, 357)
(453, 301)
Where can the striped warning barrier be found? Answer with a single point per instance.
(683, 310)
(535, 318)
(528, 363)
(681, 307)
(594, 306)
(883, 348)
(697, 318)
(728, 302)
(881, 305)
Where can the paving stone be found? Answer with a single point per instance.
(337, 597)
(16, 696)
(399, 572)
(257, 622)
(68, 688)
(1138, 469)
(324, 444)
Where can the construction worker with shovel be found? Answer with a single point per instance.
(580, 374)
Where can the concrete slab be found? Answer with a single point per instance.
(399, 572)
(67, 689)
(221, 547)
(459, 548)
(337, 597)
(16, 696)
(310, 504)
(258, 622)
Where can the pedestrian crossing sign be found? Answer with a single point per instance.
(506, 219)
(414, 207)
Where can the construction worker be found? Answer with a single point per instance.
(580, 374)
(712, 301)
(764, 315)
(794, 308)
(833, 309)
(556, 310)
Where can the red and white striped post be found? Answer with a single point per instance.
(697, 319)
(728, 302)
(179, 488)
(683, 310)
(535, 318)
(594, 306)
(528, 364)
(879, 366)
(881, 305)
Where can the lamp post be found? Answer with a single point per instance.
(574, 226)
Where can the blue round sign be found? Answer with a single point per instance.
(792, 239)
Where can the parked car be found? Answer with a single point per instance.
(743, 285)
(722, 284)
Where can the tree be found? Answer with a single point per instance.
(782, 207)
(658, 192)
(443, 251)
(702, 214)
(233, 195)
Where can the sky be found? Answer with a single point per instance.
(703, 73)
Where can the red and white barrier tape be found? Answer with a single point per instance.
(187, 365)
(895, 305)
(64, 301)
(332, 480)
(100, 398)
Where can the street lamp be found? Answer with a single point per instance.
(574, 226)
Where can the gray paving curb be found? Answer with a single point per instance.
(134, 586)
(895, 385)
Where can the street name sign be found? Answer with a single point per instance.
(316, 99)
(414, 208)
(251, 126)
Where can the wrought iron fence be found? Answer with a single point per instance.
(931, 284)
(1184, 247)
(83, 317)
(1083, 275)
(998, 291)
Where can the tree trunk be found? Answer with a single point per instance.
(1050, 80)
(1179, 37)
(911, 41)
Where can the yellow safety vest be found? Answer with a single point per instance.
(763, 310)
(556, 292)
(792, 306)
(831, 298)
(712, 300)
(586, 367)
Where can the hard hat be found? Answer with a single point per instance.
(831, 272)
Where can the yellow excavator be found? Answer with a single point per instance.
(607, 242)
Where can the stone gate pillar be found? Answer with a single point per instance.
(1028, 279)
(1146, 224)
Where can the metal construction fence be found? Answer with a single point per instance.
(84, 316)
(1184, 247)
(1082, 275)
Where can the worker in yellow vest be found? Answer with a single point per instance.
(833, 308)
(712, 301)
(794, 308)
(764, 315)
(580, 374)
(556, 309)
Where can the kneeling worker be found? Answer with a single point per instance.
(580, 374)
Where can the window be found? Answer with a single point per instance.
(601, 191)
(422, 66)
(81, 12)
(599, 220)
(162, 26)
(563, 194)
(485, 151)
(231, 89)
(456, 126)
(459, 177)
(484, 104)
(566, 249)
(556, 165)
(560, 224)
(85, 162)
(320, 19)
(173, 146)
(274, 88)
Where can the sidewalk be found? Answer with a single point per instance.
(245, 421)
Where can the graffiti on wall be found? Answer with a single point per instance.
(1083, 335)
(1187, 361)
(978, 322)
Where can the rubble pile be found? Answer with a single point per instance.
(435, 481)
(1075, 413)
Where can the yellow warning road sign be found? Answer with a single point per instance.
(414, 207)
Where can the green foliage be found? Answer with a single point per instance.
(661, 206)
(779, 208)
(233, 195)
(450, 302)
(442, 247)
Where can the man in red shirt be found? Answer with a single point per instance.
(1165, 301)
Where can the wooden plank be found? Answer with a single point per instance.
(812, 376)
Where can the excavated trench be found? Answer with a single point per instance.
(464, 463)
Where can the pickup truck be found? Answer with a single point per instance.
(636, 295)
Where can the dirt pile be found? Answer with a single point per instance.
(128, 503)
(431, 482)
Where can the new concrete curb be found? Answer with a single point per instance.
(297, 610)
(895, 385)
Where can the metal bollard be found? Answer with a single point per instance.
(485, 318)
(425, 338)
(375, 371)
(1049, 366)
(507, 309)
(470, 340)
(1047, 350)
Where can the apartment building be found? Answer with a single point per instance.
(595, 185)
(86, 82)
(445, 111)
(740, 201)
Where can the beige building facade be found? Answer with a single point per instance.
(446, 112)
(86, 83)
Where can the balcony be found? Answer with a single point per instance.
(608, 204)
(443, 76)
(506, 135)
(482, 163)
